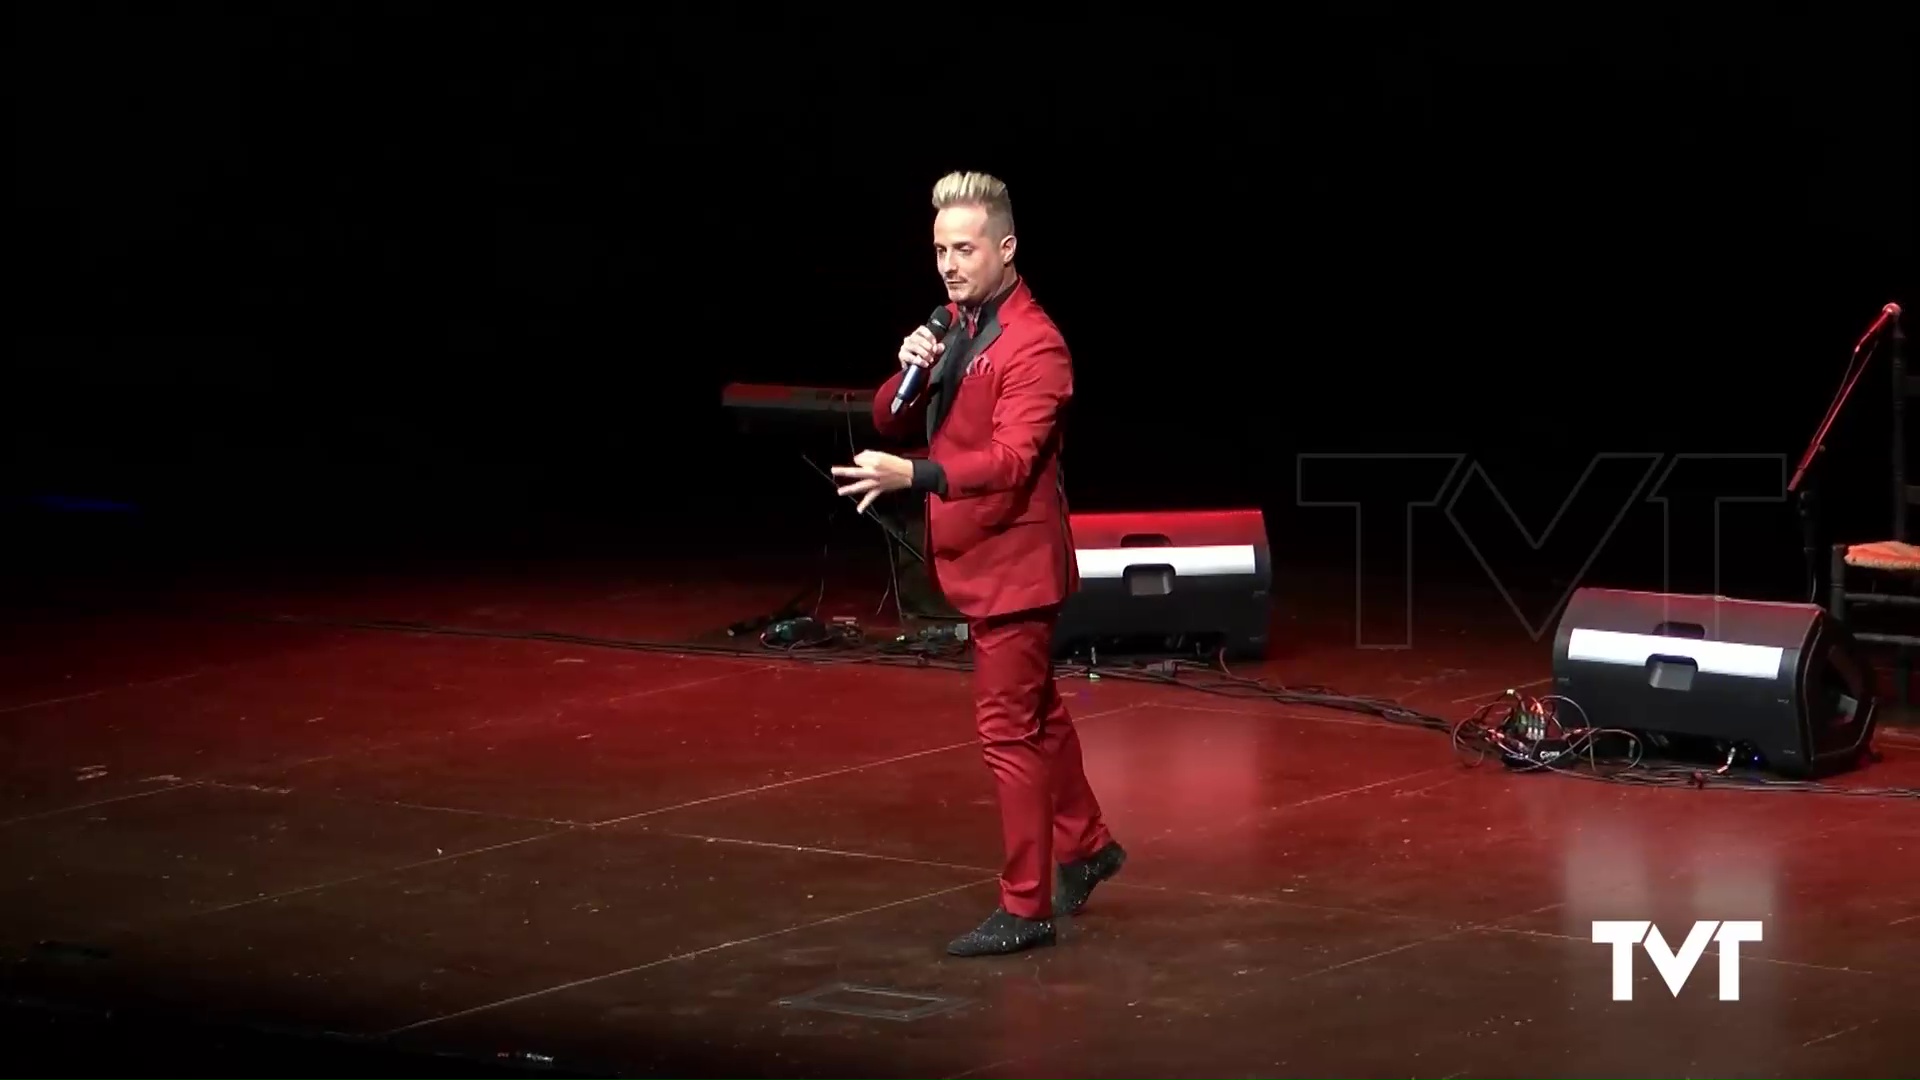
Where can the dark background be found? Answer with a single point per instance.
(302, 280)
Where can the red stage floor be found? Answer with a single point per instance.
(642, 862)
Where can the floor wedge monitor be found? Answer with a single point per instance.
(1783, 685)
(1169, 579)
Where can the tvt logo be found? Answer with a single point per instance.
(1674, 967)
(1535, 569)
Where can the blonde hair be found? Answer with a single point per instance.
(989, 193)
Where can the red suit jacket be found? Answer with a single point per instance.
(998, 535)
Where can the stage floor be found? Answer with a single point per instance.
(238, 836)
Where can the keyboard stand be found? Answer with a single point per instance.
(898, 534)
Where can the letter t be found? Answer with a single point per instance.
(1730, 936)
(1623, 935)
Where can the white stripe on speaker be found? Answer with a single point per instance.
(1711, 657)
(1210, 561)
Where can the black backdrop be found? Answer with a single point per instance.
(319, 276)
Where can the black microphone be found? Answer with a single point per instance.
(915, 374)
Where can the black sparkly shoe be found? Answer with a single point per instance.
(1073, 882)
(1002, 933)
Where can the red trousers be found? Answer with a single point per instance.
(1047, 810)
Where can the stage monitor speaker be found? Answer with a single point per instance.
(1176, 577)
(1784, 682)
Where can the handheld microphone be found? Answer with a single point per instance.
(915, 374)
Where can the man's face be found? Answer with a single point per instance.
(972, 263)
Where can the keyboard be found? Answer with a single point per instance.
(774, 398)
(804, 405)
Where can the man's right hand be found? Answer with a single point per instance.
(920, 349)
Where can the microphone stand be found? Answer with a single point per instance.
(1800, 489)
(1809, 527)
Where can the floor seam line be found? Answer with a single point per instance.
(287, 894)
(845, 770)
(211, 779)
(76, 808)
(688, 955)
(1121, 885)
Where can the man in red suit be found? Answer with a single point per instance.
(1002, 553)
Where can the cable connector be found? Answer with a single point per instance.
(935, 635)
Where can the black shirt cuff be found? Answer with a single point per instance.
(929, 476)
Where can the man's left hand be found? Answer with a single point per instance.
(873, 474)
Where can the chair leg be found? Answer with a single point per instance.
(1837, 583)
(1837, 608)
